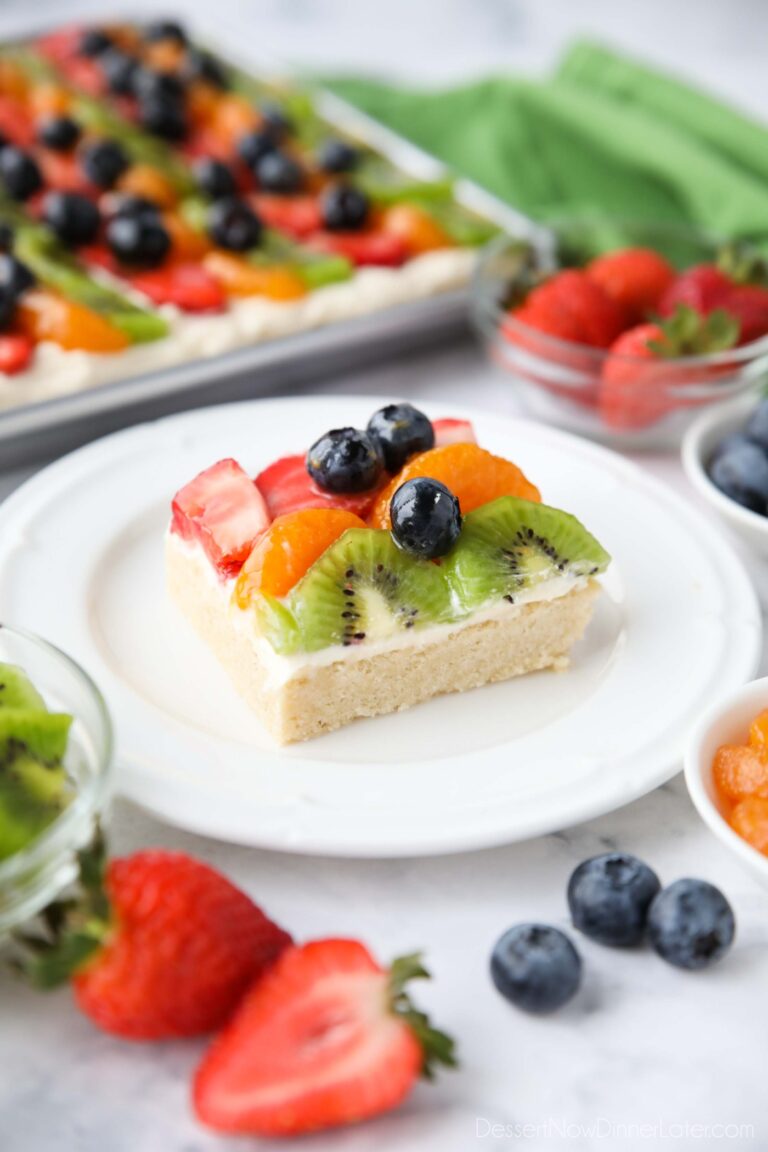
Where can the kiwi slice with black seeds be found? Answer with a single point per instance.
(512, 545)
(362, 589)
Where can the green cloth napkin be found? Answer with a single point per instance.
(604, 134)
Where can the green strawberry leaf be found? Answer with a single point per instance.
(437, 1047)
(687, 333)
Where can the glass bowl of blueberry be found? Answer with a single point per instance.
(623, 331)
(725, 456)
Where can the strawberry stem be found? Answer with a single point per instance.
(437, 1047)
(70, 930)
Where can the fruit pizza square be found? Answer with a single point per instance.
(159, 205)
(384, 567)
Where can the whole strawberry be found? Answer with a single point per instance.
(327, 1037)
(570, 306)
(635, 278)
(703, 288)
(158, 946)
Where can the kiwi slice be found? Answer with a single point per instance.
(17, 690)
(510, 545)
(362, 589)
(34, 787)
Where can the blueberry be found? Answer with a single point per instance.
(59, 133)
(536, 967)
(15, 277)
(343, 208)
(163, 117)
(609, 897)
(345, 460)
(757, 426)
(233, 225)
(200, 65)
(74, 218)
(275, 119)
(735, 440)
(253, 146)
(93, 42)
(119, 71)
(401, 431)
(19, 173)
(149, 84)
(741, 473)
(214, 178)
(126, 204)
(279, 173)
(165, 30)
(337, 156)
(103, 162)
(138, 239)
(691, 924)
(426, 518)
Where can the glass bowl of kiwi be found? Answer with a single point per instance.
(55, 770)
(623, 331)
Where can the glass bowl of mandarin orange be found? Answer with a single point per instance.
(623, 331)
(726, 770)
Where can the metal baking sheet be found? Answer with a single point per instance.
(29, 432)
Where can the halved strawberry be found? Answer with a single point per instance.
(297, 216)
(287, 487)
(224, 511)
(188, 286)
(16, 351)
(449, 431)
(327, 1037)
(382, 249)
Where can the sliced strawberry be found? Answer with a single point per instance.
(223, 510)
(327, 1037)
(62, 171)
(451, 431)
(287, 487)
(61, 44)
(16, 125)
(297, 216)
(381, 249)
(188, 286)
(16, 351)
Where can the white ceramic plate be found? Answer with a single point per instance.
(81, 563)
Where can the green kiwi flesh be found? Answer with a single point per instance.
(512, 545)
(34, 787)
(362, 589)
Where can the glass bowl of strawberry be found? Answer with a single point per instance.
(55, 770)
(623, 332)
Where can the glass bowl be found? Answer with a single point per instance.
(560, 382)
(35, 875)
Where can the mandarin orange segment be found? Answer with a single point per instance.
(474, 475)
(758, 733)
(187, 244)
(42, 315)
(233, 116)
(50, 100)
(144, 180)
(288, 550)
(738, 771)
(240, 278)
(415, 227)
(750, 820)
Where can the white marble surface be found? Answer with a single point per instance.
(646, 1056)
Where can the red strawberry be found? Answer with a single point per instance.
(16, 351)
(224, 511)
(703, 288)
(159, 946)
(636, 278)
(748, 303)
(298, 216)
(570, 306)
(287, 487)
(647, 366)
(450, 431)
(326, 1038)
(363, 248)
(188, 286)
